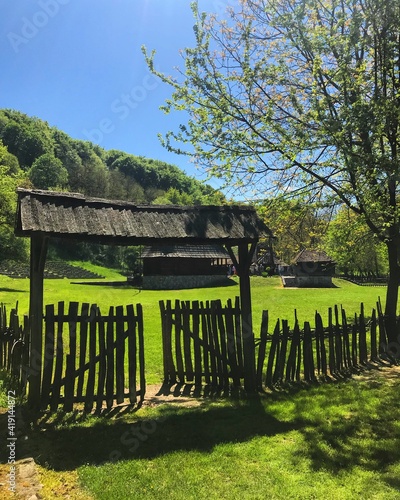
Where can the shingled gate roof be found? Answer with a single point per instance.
(73, 215)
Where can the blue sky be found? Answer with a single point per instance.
(78, 65)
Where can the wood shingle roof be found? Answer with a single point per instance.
(312, 256)
(186, 251)
(76, 216)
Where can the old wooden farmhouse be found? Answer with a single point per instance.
(311, 268)
(184, 266)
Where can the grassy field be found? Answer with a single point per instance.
(336, 441)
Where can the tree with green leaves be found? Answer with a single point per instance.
(353, 246)
(299, 96)
(48, 172)
(295, 226)
(11, 177)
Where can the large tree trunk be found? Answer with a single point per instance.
(392, 293)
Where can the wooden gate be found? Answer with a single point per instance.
(202, 342)
(92, 358)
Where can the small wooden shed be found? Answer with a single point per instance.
(184, 266)
(311, 268)
(44, 214)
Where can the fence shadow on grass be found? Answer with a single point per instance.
(66, 445)
(336, 427)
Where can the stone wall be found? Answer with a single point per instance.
(307, 281)
(178, 282)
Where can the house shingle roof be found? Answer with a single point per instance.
(312, 256)
(186, 251)
(92, 219)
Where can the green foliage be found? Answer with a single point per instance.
(353, 246)
(295, 225)
(53, 160)
(11, 177)
(48, 172)
(299, 97)
(92, 170)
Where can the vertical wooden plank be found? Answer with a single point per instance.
(166, 338)
(346, 341)
(140, 327)
(187, 341)
(55, 396)
(205, 343)
(110, 358)
(238, 336)
(275, 376)
(383, 341)
(363, 337)
(216, 344)
(25, 356)
(331, 345)
(89, 396)
(166, 321)
(120, 355)
(71, 357)
(291, 361)
(354, 341)
(223, 343)
(271, 355)
(338, 340)
(198, 371)
(296, 334)
(317, 343)
(309, 365)
(49, 356)
(16, 347)
(178, 342)
(211, 346)
(102, 364)
(374, 344)
(245, 255)
(262, 347)
(283, 351)
(231, 343)
(132, 353)
(37, 262)
(84, 322)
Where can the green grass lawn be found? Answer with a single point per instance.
(267, 293)
(339, 440)
(334, 441)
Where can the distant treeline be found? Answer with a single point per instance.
(34, 154)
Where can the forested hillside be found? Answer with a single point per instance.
(33, 154)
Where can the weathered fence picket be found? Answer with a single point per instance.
(97, 358)
(311, 352)
(14, 342)
(202, 342)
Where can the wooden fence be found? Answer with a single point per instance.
(325, 351)
(103, 361)
(202, 342)
(14, 342)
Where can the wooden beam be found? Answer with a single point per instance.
(244, 262)
(37, 262)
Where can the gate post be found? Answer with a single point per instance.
(37, 262)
